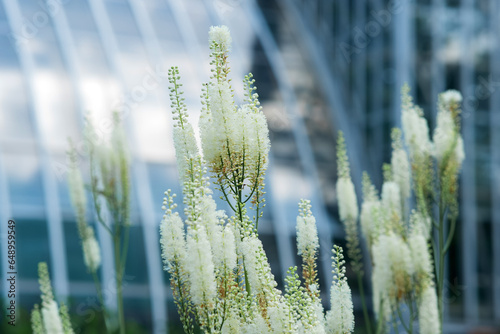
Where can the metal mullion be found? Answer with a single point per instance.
(402, 48)
(468, 180)
(358, 94)
(377, 107)
(438, 71)
(495, 159)
(54, 216)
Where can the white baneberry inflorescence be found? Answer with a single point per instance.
(219, 272)
(340, 319)
(49, 312)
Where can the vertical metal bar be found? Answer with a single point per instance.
(403, 44)
(468, 186)
(494, 8)
(438, 71)
(53, 210)
(377, 108)
(358, 93)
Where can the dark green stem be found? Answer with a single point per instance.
(118, 280)
(98, 289)
(363, 302)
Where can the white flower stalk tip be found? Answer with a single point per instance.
(391, 197)
(340, 319)
(52, 322)
(348, 205)
(91, 250)
(172, 240)
(221, 36)
(446, 135)
(428, 314)
(416, 132)
(415, 127)
(451, 96)
(307, 233)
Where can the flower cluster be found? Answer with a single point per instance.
(220, 275)
(90, 246)
(398, 237)
(110, 189)
(50, 319)
(235, 139)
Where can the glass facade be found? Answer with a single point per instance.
(320, 66)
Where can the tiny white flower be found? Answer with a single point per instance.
(420, 253)
(51, 319)
(401, 172)
(416, 132)
(428, 315)
(370, 219)
(307, 236)
(340, 319)
(348, 205)
(172, 239)
(220, 35)
(391, 197)
(91, 250)
(451, 96)
(201, 268)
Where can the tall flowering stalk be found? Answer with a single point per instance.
(349, 212)
(219, 272)
(110, 190)
(50, 318)
(397, 236)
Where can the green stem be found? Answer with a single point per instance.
(363, 302)
(97, 284)
(412, 314)
(440, 275)
(118, 280)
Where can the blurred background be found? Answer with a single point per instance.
(320, 66)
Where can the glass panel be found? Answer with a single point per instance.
(162, 177)
(77, 271)
(121, 18)
(15, 122)
(136, 269)
(25, 182)
(152, 132)
(138, 315)
(53, 94)
(32, 247)
(79, 15)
